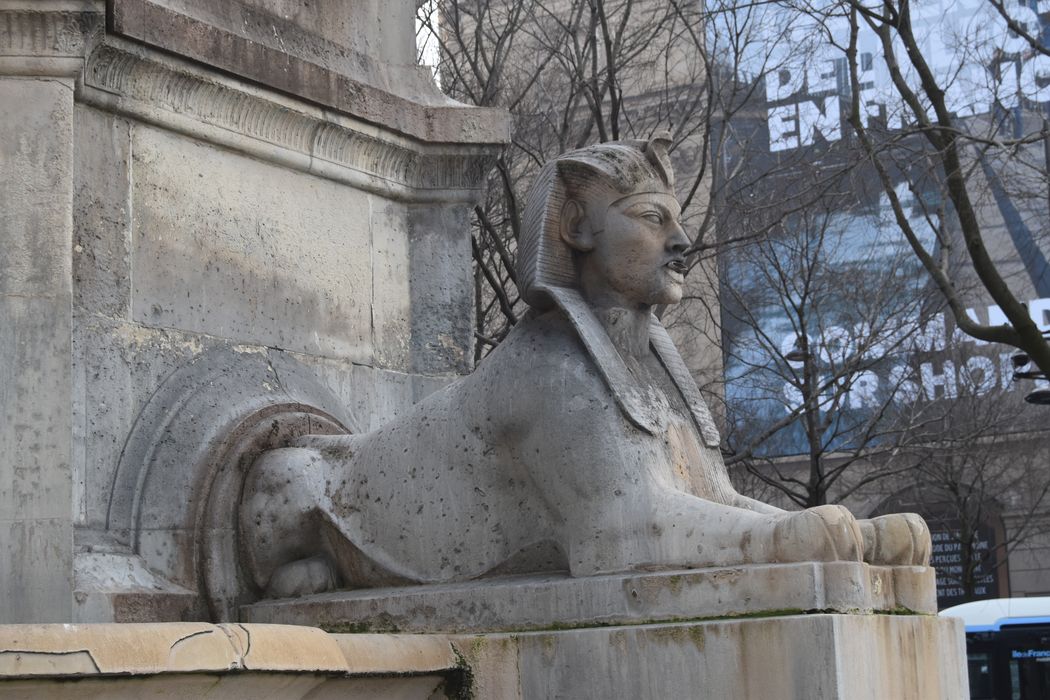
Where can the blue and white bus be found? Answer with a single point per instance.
(1007, 647)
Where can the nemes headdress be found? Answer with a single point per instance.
(545, 261)
(547, 275)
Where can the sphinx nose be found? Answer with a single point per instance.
(677, 242)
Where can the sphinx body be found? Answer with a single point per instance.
(525, 465)
(579, 444)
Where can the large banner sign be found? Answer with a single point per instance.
(876, 342)
(934, 362)
(970, 48)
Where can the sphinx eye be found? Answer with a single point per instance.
(653, 216)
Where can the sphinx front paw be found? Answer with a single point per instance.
(823, 533)
(900, 539)
(301, 577)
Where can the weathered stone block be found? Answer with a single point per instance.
(34, 408)
(358, 58)
(35, 186)
(441, 289)
(102, 213)
(35, 325)
(117, 366)
(238, 249)
(371, 396)
(392, 281)
(816, 657)
(37, 569)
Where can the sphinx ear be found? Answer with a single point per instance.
(573, 227)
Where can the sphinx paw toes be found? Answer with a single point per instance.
(900, 539)
(823, 533)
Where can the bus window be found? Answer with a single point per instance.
(980, 670)
(1031, 678)
(1029, 654)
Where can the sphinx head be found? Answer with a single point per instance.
(603, 220)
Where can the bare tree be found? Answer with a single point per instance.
(820, 318)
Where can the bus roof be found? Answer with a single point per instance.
(992, 615)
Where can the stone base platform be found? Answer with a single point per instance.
(815, 657)
(559, 601)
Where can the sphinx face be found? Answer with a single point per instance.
(637, 257)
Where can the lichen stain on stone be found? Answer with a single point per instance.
(249, 349)
(727, 575)
(618, 641)
(136, 337)
(549, 648)
(696, 634)
(448, 343)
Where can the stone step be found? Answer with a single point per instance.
(228, 661)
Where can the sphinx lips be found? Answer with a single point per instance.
(678, 268)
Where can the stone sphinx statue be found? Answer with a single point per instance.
(580, 444)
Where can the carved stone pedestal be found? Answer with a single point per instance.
(557, 601)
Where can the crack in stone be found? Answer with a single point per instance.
(235, 643)
(248, 636)
(188, 636)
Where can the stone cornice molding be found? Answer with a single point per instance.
(181, 96)
(47, 38)
(401, 98)
(429, 152)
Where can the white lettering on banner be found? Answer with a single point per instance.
(970, 94)
(1039, 310)
(869, 107)
(783, 128)
(978, 374)
(837, 346)
(820, 71)
(813, 120)
(1033, 71)
(956, 561)
(963, 41)
(1007, 93)
(931, 380)
(907, 390)
(996, 317)
(782, 84)
(1023, 16)
(931, 337)
(793, 399)
(862, 392)
(959, 337)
